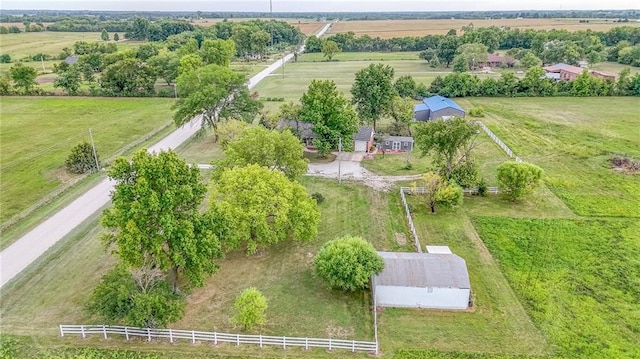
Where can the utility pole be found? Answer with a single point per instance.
(95, 155)
(340, 162)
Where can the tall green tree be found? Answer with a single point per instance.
(330, 113)
(402, 112)
(437, 190)
(272, 149)
(447, 49)
(24, 77)
(129, 77)
(155, 222)
(473, 53)
(530, 60)
(372, 91)
(215, 92)
(451, 142)
(166, 66)
(405, 86)
(104, 35)
(262, 207)
(116, 37)
(518, 179)
(219, 52)
(69, 80)
(347, 263)
(330, 49)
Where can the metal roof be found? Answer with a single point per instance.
(398, 138)
(437, 102)
(364, 133)
(403, 269)
(565, 67)
(420, 107)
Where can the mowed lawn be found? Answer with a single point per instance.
(572, 139)
(48, 42)
(38, 133)
(401, 28)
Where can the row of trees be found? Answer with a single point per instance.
(534, 83)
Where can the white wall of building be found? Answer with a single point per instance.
(414, 297)
(360, 146)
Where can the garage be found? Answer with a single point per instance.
(422, 280)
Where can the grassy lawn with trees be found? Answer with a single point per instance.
(37, 135)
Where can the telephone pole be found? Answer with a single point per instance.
(95, 155)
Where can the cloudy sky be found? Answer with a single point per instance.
(324, 6)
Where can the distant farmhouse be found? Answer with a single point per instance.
(438, 280)
(567, 72)
(436, 107)
(495, 60)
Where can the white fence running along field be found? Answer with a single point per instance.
(215, 338)
(499, 142)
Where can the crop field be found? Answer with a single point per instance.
(401, 28)
(37, 134)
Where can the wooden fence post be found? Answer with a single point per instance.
(104, 331)
(148, 334)
(193, 337)
(306, 343)
(260, 340)
(353, 346)
(329, 344)
(284, 342)
(61, 332)
(237, 339)
(126, 333)
(215, 338)
(82, 330)
(170, 336)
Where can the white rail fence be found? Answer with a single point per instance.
(499, 142)
(213, 337)
(412, 227)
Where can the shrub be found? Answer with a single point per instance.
(477, 112)
(281, 99)
(482, 188)
(348, 263)
(81, 159)
(5, 59)
(318, 197)
(518, 179)
(250, 308)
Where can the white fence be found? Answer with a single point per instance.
(498, 141)
(215, 338)
(412, 227)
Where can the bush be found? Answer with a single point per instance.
(81, 159)
(482, 188)
(250, 308)
(281, 99)
(348, 263)
(477, 112)
(318, 197)
(517, 179)
(5, 59)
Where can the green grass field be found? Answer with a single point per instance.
(37, 134)
(48, 42)
(572, 140)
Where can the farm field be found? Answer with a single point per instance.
(572, 139)
(37, 134)
(401, 28)
(49, 42)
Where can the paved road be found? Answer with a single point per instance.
(15, 258)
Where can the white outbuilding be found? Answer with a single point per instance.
(422, 280)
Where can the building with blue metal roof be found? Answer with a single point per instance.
(436, 107)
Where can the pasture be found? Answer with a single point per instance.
(48, 42)
(37, 134)
(400, 28)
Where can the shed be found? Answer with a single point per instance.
(396, 143)
(363, 139)
(422, 280)
(436, 107)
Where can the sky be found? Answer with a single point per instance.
(319, 6)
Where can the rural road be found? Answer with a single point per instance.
(15, 258)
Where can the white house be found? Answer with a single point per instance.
(422, 280)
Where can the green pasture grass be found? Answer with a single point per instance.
(201, 148)
(38, 133)
(360, 56)
(572, 139)
(577, 279)
(496, 324)
(49, 42)
(613, 67)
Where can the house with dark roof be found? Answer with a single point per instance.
(437, 280)
(396, 143)
(567, 72)
(363, 139)
(495, 60)
(436, 107)
(302, 130)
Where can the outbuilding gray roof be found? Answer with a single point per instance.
(398, 138)
(364, 133)
(302, 129)
(402, 269)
